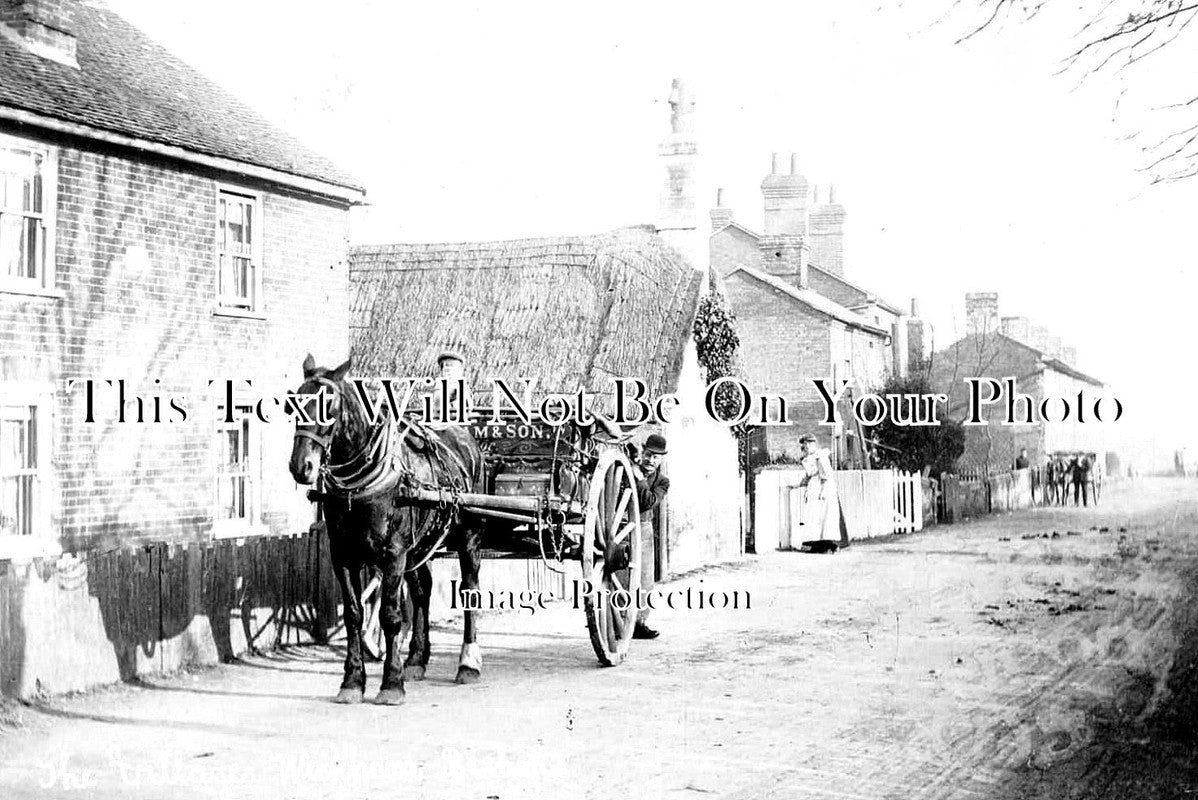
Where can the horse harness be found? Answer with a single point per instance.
(380, 466)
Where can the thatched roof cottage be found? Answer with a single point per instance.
(574, 313)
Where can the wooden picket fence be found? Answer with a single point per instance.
(874, 502)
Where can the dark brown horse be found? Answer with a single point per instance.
(364, 470)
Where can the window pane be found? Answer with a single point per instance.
(36, 201)
(16, 505)
(8, 506)
(11, 261)
(29, 248)
(15, 441)
(241, 273)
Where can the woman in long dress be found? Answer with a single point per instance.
(821, 508)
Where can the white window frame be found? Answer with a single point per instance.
(41, 540)
(251, 523)
(230, 305)
(45, 283)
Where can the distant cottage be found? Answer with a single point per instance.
(153, 229)
(1009, 347)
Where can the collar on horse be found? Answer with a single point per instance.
(379, 466)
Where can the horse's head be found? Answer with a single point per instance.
(310, 448)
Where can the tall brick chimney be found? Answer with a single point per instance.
(785, 199)
(44, 27)
(825, 224)
(721, 215)
(677, 216)
(981, 312)
(783, 246)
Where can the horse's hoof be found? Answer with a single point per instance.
(413, 672)
(349, 695)
(389, 697)
(467, 675)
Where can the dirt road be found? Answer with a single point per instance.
(1046, 653)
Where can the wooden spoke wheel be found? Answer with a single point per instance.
(611, 554)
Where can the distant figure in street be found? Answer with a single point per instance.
(822, 506)
(651, 488)
(1080, 474)
(1021, 462)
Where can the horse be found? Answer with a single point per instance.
(366, 470)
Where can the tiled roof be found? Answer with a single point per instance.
(866, 296)
(813, 300)
(127, 84)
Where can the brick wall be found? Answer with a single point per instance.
(783, 346)
(732, 247)
(135, 264)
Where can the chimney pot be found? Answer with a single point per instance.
(719, 198)
(777, 167)
(815, 195)
(832, 194)
(794, 163)
(915, 306)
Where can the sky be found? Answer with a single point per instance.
(963, 167)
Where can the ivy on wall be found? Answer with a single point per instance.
(716, 343)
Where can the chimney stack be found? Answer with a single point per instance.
(826, 233)
(915, 307)
(721, 215)
(785, 200)
(678, 217)
(45, 28)
(981, 312)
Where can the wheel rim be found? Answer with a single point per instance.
(613, 522)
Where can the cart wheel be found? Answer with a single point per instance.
(373, 639)
(611, 554)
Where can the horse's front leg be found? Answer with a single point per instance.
(349, 578)
(420, 590)
(470, 662)
(391, 692)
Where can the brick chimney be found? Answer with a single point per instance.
(919, 338)
(981, 312)
(721, 215)
(783, 246)
(1018, 328)
(785, 199)
(825, 224)
(677, 216)
(44, 27)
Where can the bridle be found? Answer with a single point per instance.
(324, 439)
(367, 472)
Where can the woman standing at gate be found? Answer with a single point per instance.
(821, 508)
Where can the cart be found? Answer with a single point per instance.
(1093, 482)
(561, 493)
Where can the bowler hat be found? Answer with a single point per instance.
(656, 443)
(450, 355)
(807, 437)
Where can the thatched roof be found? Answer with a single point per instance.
(572, 312)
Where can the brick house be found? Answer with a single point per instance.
(152, 229)
(1039, 375)
(799, 317)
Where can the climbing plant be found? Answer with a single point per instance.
(716, 343)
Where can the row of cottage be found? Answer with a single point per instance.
(155, 230)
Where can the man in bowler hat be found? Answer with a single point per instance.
(651, 488)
